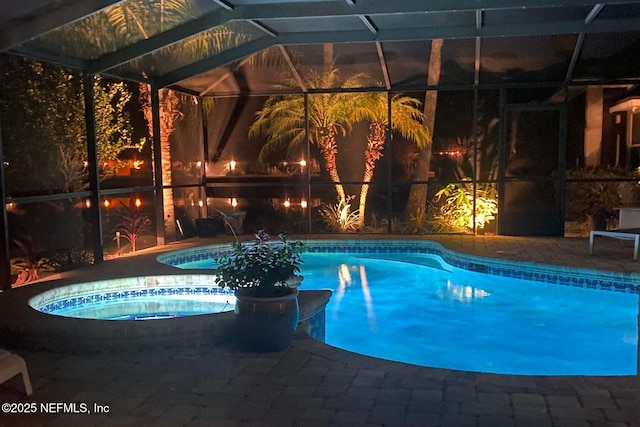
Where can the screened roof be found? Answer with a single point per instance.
(216, 47)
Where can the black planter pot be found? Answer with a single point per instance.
(266, 324)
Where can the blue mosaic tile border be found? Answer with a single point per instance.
(184, 256)
(585, 278)
(64, 303)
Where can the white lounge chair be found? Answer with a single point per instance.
(12, 365)
(622, 233)
(629, 229)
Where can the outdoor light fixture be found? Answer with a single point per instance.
(288, 204)
(199, 164)
(137, 164)
(302, 163)
(233, 202)
(201, 203)
(232, 165)
(87, 203)
(450, 153)
(138, 202)
(106, 203)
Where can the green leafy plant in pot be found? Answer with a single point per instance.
(263, 276)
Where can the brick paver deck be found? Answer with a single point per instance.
(312, 384)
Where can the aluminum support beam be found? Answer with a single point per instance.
(94, 167)
(5, 256)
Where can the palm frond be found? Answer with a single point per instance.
(407, 118)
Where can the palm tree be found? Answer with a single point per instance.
(406, 119)
(418, 194)
(120, 25)
(128, 22)
(169, 114)
(133, 22)
(282, 119)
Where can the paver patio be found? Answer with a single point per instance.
(313, 384)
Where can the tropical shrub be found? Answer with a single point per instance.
(71, 258)
(419, 222)
(31, 263)
(456, 209)
(381, 225)
(133, 223)
(340, 217)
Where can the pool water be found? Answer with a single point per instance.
(148, 308)
(428, 313)
(415, 308)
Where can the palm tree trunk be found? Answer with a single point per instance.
(169, 114)
(368, 174)
(328, 146)
(328, 150)
(167, 193)
(375, 143)
(418, 194)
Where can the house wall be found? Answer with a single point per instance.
(593, 126)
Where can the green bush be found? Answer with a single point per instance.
(340, 217)
(455, 213)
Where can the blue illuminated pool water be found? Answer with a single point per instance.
(414, 308)
(471, 321)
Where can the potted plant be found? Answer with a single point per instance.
(260, 273)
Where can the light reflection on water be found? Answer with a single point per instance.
(462, 293)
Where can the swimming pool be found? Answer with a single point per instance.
(405, 303)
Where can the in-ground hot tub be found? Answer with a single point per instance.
(137, 298)
(41, 314)
(178, 310)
